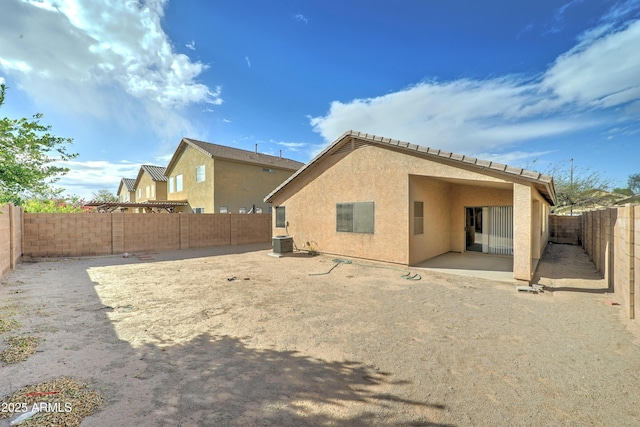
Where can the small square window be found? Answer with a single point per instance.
(242, 210)
(258, 210)
(179, 182)
(224, 209)
(268, 170)
(198, 210)
(172, 184)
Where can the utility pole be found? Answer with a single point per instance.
(571, 190)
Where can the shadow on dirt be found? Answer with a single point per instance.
(569, 262)
(244, 386)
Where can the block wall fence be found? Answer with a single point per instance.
(611, 238)
(83, 234)
(10, 237)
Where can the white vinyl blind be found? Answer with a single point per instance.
(501, 230)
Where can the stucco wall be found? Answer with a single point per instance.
(157, 189)
(124, 193)
(242, 185)
(382, 175)
(199, 194)
(435, 195)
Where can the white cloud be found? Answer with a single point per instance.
(191, 45)
(484, 116)
(300, 18)
(87, 177)
(246, 58)
(102, 58)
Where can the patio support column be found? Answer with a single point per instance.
(522, 232)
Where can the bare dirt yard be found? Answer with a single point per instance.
(168, 340)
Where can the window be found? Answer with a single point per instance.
(280, 216)
(268, 170)
(418, 217)
(139, 193)
(200, 173)
(148, 191)
(242, 210)
(355, 217)
(224, 209)
(258, 210)
(172, 185)
(179, 182)
(198, 210)
(153, 190)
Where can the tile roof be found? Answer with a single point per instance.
(130, 183)
(544, 183)
(156, 172)
(224, 152)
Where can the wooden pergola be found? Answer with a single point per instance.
(149, 207)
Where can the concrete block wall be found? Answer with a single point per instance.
(54, 235)
(565, 229)
(10, 237)
(209, 229)
(248, 229)
(77, 234)
(611, 238)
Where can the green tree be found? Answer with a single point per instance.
(104, 195)
(579, 188)
(27, 155)
(623, 191)
(69, 204)
(634, 183)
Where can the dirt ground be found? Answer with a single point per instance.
(170, 341)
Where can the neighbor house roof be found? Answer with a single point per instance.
(130, 183)
(156, 173)
(216, 151)
(544, 183)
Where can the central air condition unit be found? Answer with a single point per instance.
(282, 244)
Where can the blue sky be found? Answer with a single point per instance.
(522, 83)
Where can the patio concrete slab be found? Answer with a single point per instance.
(471, 264)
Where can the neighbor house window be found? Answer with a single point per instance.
(198, 210)
(200, 173)
(355, 217)
(418, 217)
(224, 209)
(268, 170)
(242, 210)
(139, 193)
(280, 217)
(148, 191)
(179, 182)
(153, 191)
(172, 185)
(258, 210)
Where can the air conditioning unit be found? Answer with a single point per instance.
(282, 244)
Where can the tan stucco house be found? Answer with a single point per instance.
(219, 179)
(151, 184)
(371, 197)
(127, 190)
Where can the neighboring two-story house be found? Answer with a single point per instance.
(151, 184)
(127, 190)
(220, 179)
